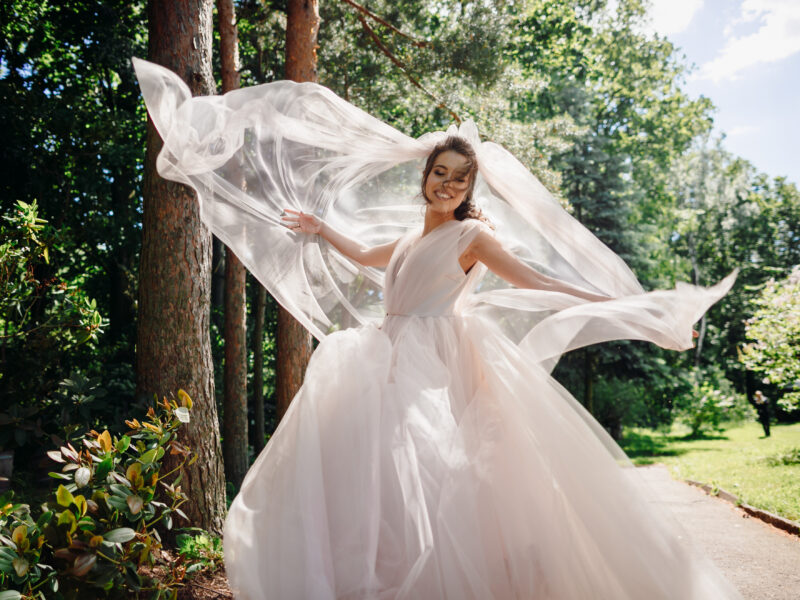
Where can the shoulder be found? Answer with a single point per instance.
(474, 234)
(475, 226)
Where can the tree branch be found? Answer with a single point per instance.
(396, 61)
(373, 16)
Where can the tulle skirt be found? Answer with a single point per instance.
(428, 458)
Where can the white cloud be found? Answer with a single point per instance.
(777, 37)
(672, 16)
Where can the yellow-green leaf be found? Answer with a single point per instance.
(185, 399)
(63, 496)
(20, 533)
(133, 470)
(105, 441)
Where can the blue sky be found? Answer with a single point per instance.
(747, 61)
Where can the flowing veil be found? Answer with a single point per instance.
(253, 151)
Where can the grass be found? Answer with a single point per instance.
(761, 471)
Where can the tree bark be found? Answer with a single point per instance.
(259, 309)
(293, 341)
(234, 434)
(173, 345)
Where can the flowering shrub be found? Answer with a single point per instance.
(99, 528)
(774, 330)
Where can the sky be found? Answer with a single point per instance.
(746, 57)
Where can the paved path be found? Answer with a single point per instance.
(759, 559)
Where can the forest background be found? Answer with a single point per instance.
(587, 98)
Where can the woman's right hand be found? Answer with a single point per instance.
(299, 221)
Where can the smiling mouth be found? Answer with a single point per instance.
(443, 196)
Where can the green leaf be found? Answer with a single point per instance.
(103, 468)
(44, 519)
(120, 535)
(150, 456)
(123, 443)
(117, 503)
(132, 577)
(120, 490)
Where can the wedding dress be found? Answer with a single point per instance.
(429, 453)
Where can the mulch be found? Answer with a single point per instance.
(206, 586)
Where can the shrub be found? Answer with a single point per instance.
(711, 401)
(100, 527)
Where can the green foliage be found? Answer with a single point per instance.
(43, 317)
(774, 330)
(91, 539)
(35, 303)
(711, 401)
(202, 550)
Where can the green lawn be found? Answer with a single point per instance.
(736, 460)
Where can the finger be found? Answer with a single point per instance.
(290, 210)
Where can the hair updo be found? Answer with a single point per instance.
(467, 209)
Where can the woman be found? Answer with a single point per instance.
(429, 454)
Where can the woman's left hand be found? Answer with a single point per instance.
(300, 221)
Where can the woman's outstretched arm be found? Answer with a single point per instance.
(376, 256)
(504, 264)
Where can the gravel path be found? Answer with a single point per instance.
(759, 559)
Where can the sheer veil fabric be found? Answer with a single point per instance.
(429, 453)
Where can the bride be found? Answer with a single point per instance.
(429, 453)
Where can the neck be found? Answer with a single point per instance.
(433, 219)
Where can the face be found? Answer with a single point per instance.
(448, 181)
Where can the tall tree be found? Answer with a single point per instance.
(294, 342)
(234, 439)
(259, 418)
(173, 345)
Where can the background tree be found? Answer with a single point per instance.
(173, 346)
(294, 345)
(234, 441)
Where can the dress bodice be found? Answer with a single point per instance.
(424, 277)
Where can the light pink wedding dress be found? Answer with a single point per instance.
(429, 454)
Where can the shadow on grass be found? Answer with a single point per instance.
(643, 446)
(689, 437)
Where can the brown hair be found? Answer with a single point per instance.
(467, 209)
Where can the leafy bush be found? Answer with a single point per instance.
(202, 549)
(44, 317)
(100, 528)
(710, 401)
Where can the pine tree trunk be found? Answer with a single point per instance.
(259, 309)
(173, 345)
(234, 435)
(293, 341)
